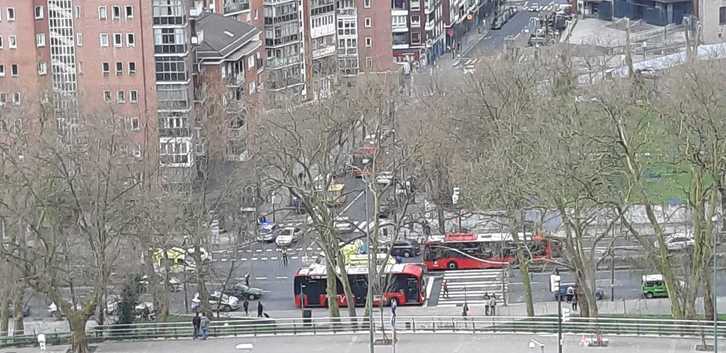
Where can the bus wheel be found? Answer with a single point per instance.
(649, 295)
(452, 265)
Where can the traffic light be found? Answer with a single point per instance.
(555, 283)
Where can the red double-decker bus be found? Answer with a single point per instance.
(404, 284)
(481, 251)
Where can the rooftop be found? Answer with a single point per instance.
(223, 36)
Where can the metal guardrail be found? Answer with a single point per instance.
(404, 324)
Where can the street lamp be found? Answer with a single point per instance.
(716, 231)
(371, 275)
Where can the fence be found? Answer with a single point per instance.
(404, 324)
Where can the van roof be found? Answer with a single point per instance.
(652, 278)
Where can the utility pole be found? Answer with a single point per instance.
(371, 276)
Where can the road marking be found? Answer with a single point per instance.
(243, 259)
(309, 249)
(264, 259)
(351, 203)
(273, 258)
(260, 277)
(268, 250)
(281, 277)
(254, 259)
(258, 250)
(224, 260)
(248, 250)
(294, 257)
(299, 249)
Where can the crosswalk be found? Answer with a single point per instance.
(469, 65)
(470, 285)
(266, 254)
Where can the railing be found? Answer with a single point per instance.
(403, 324)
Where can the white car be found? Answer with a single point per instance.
(384, 178)
(288, 235)
(677, 242)
(218, 302)
(343, 225)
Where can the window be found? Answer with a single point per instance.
(103, 38)
(105, 68)
(11, 14)
(369, 42)
(722, 15)
(174, 152)
(121, 97)
(77, 11)
(14, 70)
(250, 62)
(12, 42)
(1, 42)
(40, 40)
(133, 96)
(130, 40)
(170, 69)
(368, 22)
(119, 68)
(129, 11)
(116, 12)
(79, 39)
(102, 13)
(3, 98)
(137, 151)
(134, 123)
(369, 62)
(39, 12)
(367, 4)
(117, 40)
(107, 96)
(132, 68)
(415, 38)
(42, 68)
(16, 98)
(2, 70)
(415, 21)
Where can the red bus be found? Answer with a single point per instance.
(480, 251)
(362, 160)
(405, 285)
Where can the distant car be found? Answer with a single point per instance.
(218, 302)
(384, 178)
(599, 292)
(240, 290)
(343, 225)
(287, 236)
(533, 8)
(267, 232)
(677, 242)
(405, 248)
(173, 285)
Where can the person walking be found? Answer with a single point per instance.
(260, 308)
(204, 324)
(445, 286)
(570, 293)
(284, 257)
(574, 302)
(196, 321)
(247, 279)
(486, 304)
(465, 310)
(493, 305)
(246, 307)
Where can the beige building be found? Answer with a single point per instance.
(712, 14)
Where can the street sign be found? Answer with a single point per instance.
(554, 283)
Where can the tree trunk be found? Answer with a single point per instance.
(523, 261)
(79, 341)
(18, 324)
(708, 298)
(4, 313)
(346, 287)
(332, 290)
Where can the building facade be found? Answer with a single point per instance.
(712, 14)
(374, 32)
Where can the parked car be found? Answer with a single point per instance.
(599, 292)
(218, 302)
(267, 232)
(240, 290)
(677, 242)
(384, 178)
(288, 235)
(653, 286)
(405, 248)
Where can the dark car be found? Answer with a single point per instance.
(599, 292)
(241, 291)
(405, 248)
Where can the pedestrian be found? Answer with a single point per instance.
(196, 320)
(247, 279)
(284, 257)
(394, 306)
(570, 293)
(204, 325)
(246, 306)
(493, 305)
(486, 304)
(259, 308)
(574, 302)
(445, 285)
(465, 310)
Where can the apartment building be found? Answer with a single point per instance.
(319, 43)
(712, 14)
(374, 35)
(285, 72)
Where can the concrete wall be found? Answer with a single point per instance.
(709, 15)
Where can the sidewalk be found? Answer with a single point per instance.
(468, 42)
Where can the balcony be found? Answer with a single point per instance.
(273, 63)
(397, 28)
(347, 52)
(174, 132)
(325, 51)
(235, 80)
(346, 12)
